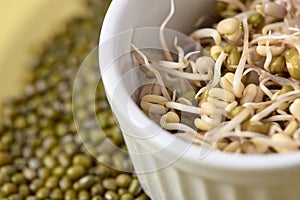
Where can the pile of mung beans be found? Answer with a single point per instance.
(41, 156)
(243, 91)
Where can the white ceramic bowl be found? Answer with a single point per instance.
(167, 167)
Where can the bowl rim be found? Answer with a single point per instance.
(215, 159)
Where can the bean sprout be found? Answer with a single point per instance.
(244, 90)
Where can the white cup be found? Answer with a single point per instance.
(168, 167)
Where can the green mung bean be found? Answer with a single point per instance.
(42, 193)
(97, 189)
(51, 182)
(74, 172)
(35, 185)
(56, 194)
(70, 194)
(86, 182)
(83, 195)
(142, 197)
(134, 187)
(83, 160)
(15, 197)
(65, 183)
(49, 162)
(111, 195)
(58, 171)
(127, 196)
(122, 191)
(4, 178)
(44, 173)
(109, 184)
(5, 158)
(18, 178)
(123, 180)
(97, 197)
(24, 190)
(8, 189)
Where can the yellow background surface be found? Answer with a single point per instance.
(25, 25)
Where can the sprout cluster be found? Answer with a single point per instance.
(244, 94)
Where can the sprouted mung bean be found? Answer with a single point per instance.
(248, 97)
(40, 154)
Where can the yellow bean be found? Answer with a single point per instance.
(295, 109)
